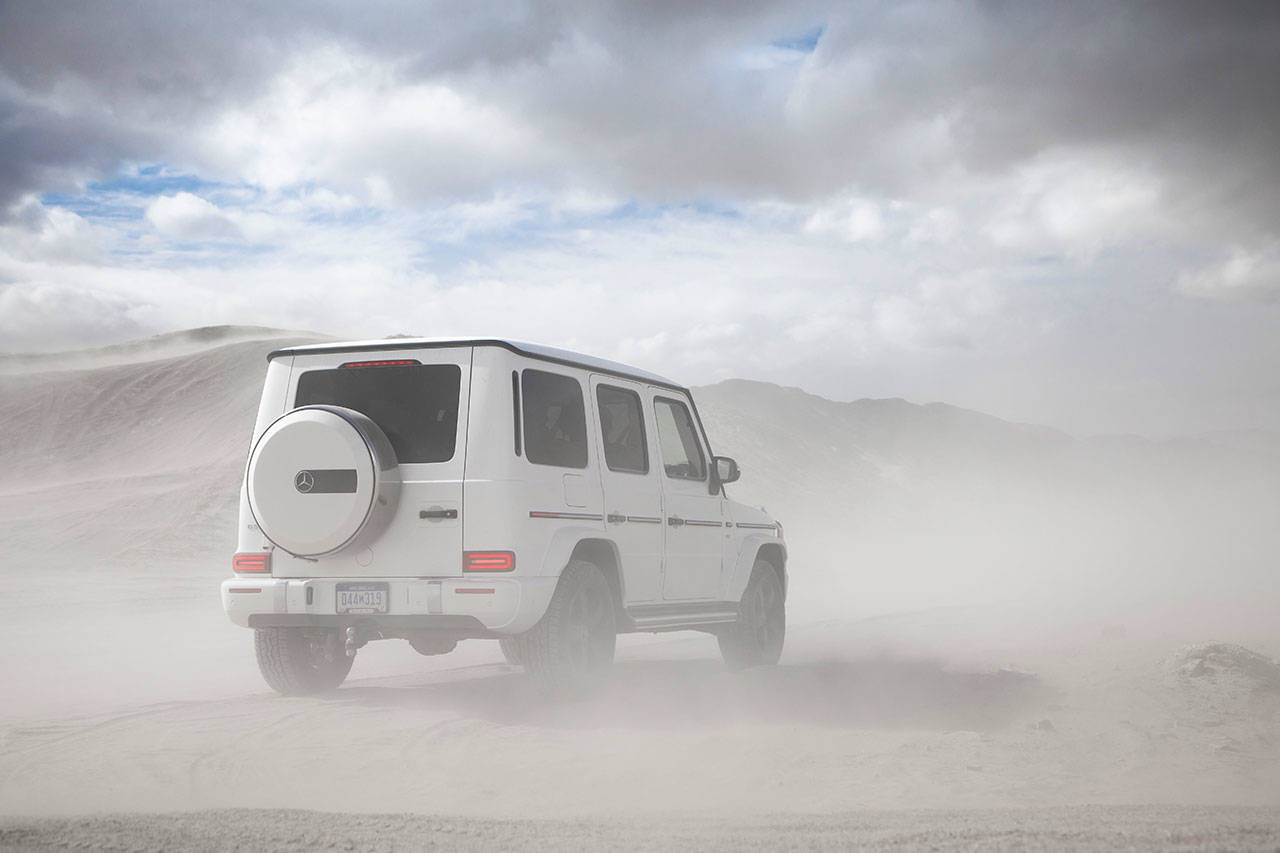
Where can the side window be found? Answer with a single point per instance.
(555, 420)
(622, 430)
(678, 438)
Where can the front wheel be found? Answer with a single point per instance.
(300, 661)
(572, 646)
(756, 638)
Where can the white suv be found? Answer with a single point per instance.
(439, 490)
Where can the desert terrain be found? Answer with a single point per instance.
(1000, 636)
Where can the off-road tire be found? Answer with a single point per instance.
(756, 638)
(571, 647)
(511, 650)
(300, 661)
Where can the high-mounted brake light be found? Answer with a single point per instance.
(399, 362)
(258, 562)
(488, 561)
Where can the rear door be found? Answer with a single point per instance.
(694, 517)
(632, 487)
(418, 398)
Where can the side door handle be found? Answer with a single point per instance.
(615, 518)
(437, 513)
(675, 521)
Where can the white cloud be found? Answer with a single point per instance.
(855, 220)
(934, 226)
(351, 123)
(37, 232)
(1244, 275)
(188, 217)
(1073, 202)
(941, 314)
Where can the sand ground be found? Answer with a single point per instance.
(1091, 828)
(912, 730)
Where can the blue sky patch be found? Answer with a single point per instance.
(805, 42)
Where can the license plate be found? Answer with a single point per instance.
(362, 598)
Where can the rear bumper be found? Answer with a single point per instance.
(468, 625)
(458, 607)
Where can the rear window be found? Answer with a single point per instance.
(555, 419)
(416, 405)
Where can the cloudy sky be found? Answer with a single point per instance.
(1060, 213)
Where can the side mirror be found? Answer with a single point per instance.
(726, 469)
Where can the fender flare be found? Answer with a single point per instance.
(561, 547)
(747, 556)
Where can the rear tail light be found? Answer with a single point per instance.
(488, 561)
(259, 562)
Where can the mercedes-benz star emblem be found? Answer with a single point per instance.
(304, 482)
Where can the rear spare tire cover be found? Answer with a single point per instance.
(320, 479)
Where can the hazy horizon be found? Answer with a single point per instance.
(204, 335)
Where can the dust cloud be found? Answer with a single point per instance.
(983, 616)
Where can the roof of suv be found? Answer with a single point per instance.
(537, 351)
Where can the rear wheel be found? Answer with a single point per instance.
(572, 646)
(299, 661)
(511, 650)
(756, 638)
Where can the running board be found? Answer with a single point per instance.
(662, 617)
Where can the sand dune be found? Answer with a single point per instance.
(154, 348)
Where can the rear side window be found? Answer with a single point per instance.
(555, 419)
(415, 405)
(622, 430)
(681, 451)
